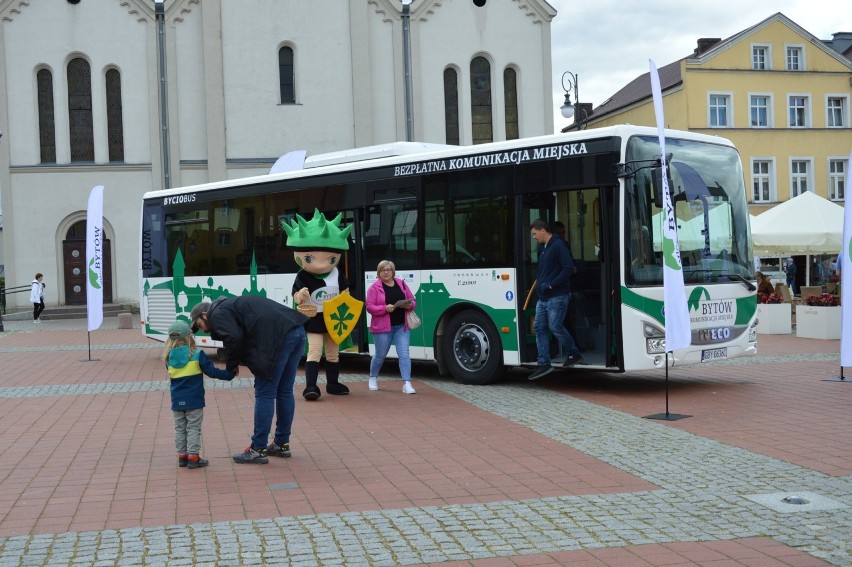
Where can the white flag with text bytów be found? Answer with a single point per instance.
(94, 258)
(678, 334)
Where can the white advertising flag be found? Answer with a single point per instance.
(678, 334)
(845, 266)
(94, 258)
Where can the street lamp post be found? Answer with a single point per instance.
(406, 62)
(568, 109)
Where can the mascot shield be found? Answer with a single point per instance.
(341, 315)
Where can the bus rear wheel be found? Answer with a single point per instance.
(472, 349)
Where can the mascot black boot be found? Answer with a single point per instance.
(332, 386)
(311, 391)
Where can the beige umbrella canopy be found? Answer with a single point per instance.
(806, 224)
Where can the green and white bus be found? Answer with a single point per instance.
(455, 221)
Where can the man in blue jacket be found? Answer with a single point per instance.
(555, 268)
(269, 338)
(790, 269)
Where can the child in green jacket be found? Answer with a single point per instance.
(187, 365)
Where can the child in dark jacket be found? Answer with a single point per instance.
(187, 365)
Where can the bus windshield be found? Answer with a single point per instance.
(708, 194)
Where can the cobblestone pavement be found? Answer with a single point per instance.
(706, 490)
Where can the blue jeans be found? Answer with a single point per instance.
(401, 339)
(550, 314)
(276, 392)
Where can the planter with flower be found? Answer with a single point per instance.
(773, 315)
(819, 317)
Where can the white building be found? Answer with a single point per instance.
(244, 82)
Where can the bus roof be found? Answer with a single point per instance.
(372, 152)
(401, 152)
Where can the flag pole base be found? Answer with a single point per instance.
(666, 416)
(840, 378)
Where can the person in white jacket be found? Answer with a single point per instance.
(37, 297)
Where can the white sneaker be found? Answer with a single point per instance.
(407, 388)
(374, 383)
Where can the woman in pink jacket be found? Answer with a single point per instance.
(388, 299)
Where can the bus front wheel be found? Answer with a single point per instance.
(472, 349)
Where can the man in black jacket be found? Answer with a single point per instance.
(555, 268)
(268, 338)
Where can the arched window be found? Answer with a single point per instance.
(510, 95)
(287, 75)
(80, 111)
(480, 100)
(115, 129)
(451, 106)
(46, 124)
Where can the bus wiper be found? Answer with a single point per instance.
(689, 275)
(749, 286)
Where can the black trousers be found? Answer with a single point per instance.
(37, 309)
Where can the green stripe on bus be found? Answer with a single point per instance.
(746, 306)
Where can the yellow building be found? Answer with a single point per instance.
(779, 93)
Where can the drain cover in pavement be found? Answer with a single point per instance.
(795, 501)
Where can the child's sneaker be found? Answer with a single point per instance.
(196, 462)
(277, 450)
(407, 388)
(252, 456)
(373, 384)
(182, 460)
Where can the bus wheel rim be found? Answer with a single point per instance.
(471, 347)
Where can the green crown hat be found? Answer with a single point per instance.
(319, 233)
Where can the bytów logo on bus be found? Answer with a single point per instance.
(705, 312)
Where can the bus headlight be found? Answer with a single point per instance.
(752, 333)
(655, 339)
(655, 346)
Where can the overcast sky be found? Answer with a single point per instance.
(607, 43)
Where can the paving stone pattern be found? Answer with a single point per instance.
(703, 496)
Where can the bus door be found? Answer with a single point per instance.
(391, 230)
(581, 217)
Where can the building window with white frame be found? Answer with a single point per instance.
(115, 124)
(761, 180)
(798, 111)
(510, 96)
(719, 110)
(837, 179)
(760, 57)
(480, 100)
(799, 176)
(287, 75)
(836, 112)
(759, 110)
(80, 116)
(795, 59)
(451, 106)
(46, 122)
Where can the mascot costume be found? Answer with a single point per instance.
(321, 293)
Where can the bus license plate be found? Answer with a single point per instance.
(712, 354)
